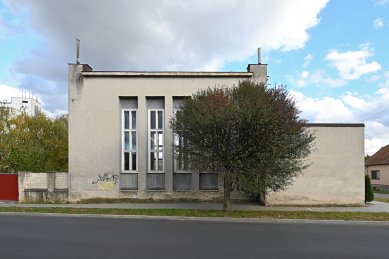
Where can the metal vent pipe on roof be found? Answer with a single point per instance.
(78, 50)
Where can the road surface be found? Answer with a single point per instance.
(58, 237)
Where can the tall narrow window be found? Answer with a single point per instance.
(181, 161)
(156, 142)
(129, 140)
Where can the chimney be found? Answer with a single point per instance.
(259, 70)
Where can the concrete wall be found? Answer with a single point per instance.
(336, 169)
(95, 127)
(335, 174)
(383, 182)
(43, 187)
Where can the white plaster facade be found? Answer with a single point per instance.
(335, 174)
(17, 105)
(98, 101)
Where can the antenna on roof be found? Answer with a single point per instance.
(78, 50)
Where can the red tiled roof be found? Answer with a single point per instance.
(381, 157)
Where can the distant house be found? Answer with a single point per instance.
(377, 167)
(17, 105)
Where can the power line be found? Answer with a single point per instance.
(374, 113)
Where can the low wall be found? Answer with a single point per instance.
(43, 187)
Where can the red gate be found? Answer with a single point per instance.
(9, 187)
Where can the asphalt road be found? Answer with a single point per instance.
(91, 237)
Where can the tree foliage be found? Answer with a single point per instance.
(250, 134)
(33, 143)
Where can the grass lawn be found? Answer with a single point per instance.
(359, 216)
(381, 199)
(383, 192)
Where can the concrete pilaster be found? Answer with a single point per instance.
(142, 145)
(168, 144)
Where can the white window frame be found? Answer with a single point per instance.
(130, 130)
(156, 130)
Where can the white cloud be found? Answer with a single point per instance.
(303, 79)
(381, 2)
(304, 74)
(357, 102)
(6, 92)
(325, 109)
(373, 110)
(330, 82)
(376, 136)
(384, 87)
(351, 65)
(379, 23)
(154, 34)
(350, 109)
(307, 60)
(158, 35)
(318, 77)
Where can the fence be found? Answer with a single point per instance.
(9, 187)
(43, 187)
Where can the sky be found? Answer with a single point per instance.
(332, 55)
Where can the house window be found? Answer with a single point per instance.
(156, 141)
(375, 174)
(129, 140)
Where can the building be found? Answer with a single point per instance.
(17, 105)
(120, 143)
(377, 167)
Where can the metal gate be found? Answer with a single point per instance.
(9, 187)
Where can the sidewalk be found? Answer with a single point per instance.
(374, 206)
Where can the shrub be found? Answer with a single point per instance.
(369, 195)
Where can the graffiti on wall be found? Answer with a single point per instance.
(106, 182)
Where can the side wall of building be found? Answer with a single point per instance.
(335, 174)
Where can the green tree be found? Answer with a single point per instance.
(33, 143)
(369, 195)
(249, 134)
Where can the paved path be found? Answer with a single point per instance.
(381, 195)
(375, 206)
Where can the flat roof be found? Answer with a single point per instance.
(165, 74)
(336, 125)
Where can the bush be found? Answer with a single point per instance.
(369, 195)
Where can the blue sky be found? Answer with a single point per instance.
(331, 55)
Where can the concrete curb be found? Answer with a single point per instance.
(202, 219)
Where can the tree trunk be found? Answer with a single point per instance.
(262, 192)
(227, 195)
(262, 198)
